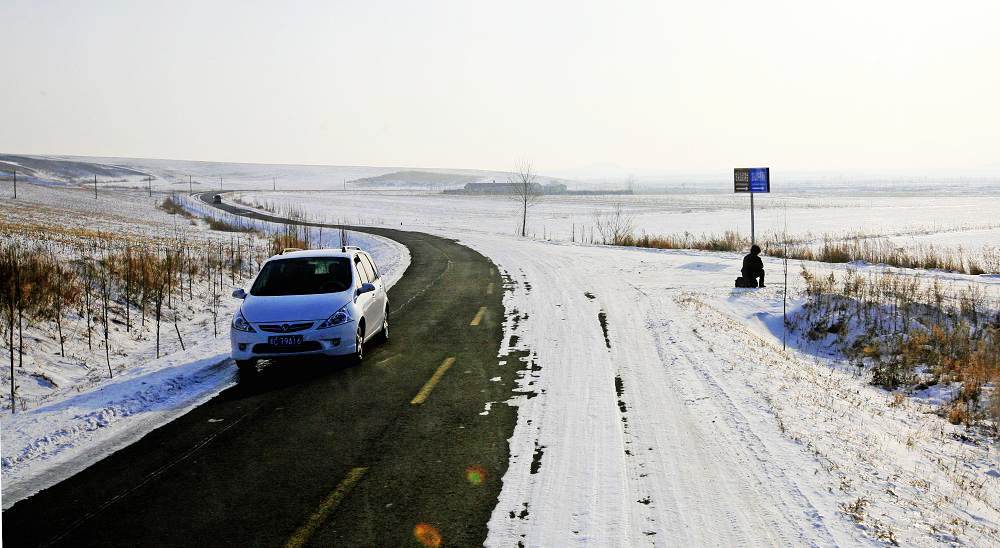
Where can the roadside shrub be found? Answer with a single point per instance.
(298, 237)
(615, 226)
(227, 226)
(174, 207)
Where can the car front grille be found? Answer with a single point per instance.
(285, 327)
(307, 346)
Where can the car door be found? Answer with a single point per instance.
(381, 298)
(367, 301)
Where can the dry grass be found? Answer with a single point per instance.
(57, 275)
(729, 241)
(616, 227)
(882, 251)
(911, 333)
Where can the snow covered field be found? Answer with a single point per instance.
(70, 413)
(971, 221)
(658, 407)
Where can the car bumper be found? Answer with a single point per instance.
(335, 341)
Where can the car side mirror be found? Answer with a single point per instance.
(366, 287)
(239, 293)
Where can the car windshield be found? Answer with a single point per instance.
(304, 276)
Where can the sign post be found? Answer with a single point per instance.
(752, 180)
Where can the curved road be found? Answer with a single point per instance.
(319, 454)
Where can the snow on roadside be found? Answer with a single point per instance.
(73, 429)
(684, 422)
(48, 444)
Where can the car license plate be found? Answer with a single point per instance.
(285, 340)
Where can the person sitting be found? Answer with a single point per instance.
(753, 267)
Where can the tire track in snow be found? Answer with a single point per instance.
(682, 468)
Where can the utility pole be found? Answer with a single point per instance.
(784, 301)
(15, 197)
(149, 185)
(95, 186)
(753, 239)
(190, 185)
(784, 292)
(274, 183)
(220, 182)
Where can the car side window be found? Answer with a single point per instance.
(362, 271)
(366, 266)
(370, 264)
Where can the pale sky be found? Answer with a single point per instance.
(645, 85)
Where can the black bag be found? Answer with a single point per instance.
(746, 282)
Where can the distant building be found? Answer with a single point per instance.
(495, 188)
(508, 189)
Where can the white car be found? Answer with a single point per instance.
(317, 302)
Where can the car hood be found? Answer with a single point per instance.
(287, 308)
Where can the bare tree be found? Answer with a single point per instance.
(525, 191)
(615, 227)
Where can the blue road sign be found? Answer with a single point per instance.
(760, 179)
(752, 180)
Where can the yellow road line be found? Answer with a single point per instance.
(382, 363)
(304, 533)
(421, 396)
(489, 289)
(479, 316)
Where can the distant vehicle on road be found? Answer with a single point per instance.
(217, 199)
(316, 302)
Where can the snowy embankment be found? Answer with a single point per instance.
(657, 407)
(73, 429)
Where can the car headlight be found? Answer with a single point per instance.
(339, 317)
(241, 324)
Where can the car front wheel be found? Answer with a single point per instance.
(383, 335)
(248, 367)
(359, 348)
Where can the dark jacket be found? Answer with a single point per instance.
(752, 265)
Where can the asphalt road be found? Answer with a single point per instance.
(319, 453)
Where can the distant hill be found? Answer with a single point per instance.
(418, 179)
(179, 175)
(43, 169)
